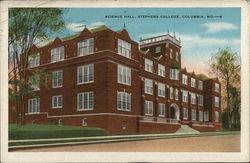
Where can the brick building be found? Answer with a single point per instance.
(102, 78)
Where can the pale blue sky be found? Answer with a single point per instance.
(199, 36)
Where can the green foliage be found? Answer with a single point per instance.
(17, 132)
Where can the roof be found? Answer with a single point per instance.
(93, 30)
(203, 77)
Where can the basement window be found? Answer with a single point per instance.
(85, 122)
(124, 125)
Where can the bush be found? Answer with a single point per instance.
(17, 132)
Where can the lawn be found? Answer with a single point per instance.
(17, 132)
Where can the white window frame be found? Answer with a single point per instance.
(176, 94)
(57, 54)
(193, 114)
(149, 107)
(174, 74)
(171, 92)
(206, 116)
(34, 60)
(123, 101)
(184, 79)
(171, 53)
(216, 101)
(33, 86)
(85, 74)
(161, 90)
(124, 48)
(200, 115)
(56, 102)
(200, 85)
(216, 116)
(184, 96)
(161, 109)
(193, 82)
(161, 70)
(85, 122)
(177, 56)
(200, 100)
(124, 75)
(149, 86)
(185, 113)
(148, 65)
(57, 80)
(85, 47)
(89, 102)
(193, 98)
(158, 49)
(34, 105)
(216, 87)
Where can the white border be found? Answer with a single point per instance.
(126, 156)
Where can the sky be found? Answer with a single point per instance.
(212, 28)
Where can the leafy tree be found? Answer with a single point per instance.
(28, 26)
(226, 65)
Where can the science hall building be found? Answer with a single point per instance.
(102, 78)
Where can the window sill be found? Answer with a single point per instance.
(124, 83)
(124, 110)
(58, 87)
(33, 113)
(85, 82)
(84, 109)
(57, 107)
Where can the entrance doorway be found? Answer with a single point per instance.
(175, 112)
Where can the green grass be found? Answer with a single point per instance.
(17, 132)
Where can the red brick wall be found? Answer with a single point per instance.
(147, 127)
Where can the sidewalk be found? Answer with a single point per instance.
(37, 143)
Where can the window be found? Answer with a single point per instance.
(34, 105)
(57, 79)
(161, 70)
(171, 53)
(216, 87)
(174, 74)
(161, 89)
(60, 122)
(161, 109)
(85, 47)
(33, 60)
(158, 49)
(184, 79)
(57, 54)
(193, 114)
(85, 101)
(176, 94)
(124, 48)
(177, 56)
(85, 122)
(200, 100)
(124, 75)
(57, 101)
(148, 65)
(148, 108)
(85, 74)
(185, 113)
(193, 82)
(200, 115)
(34, 83)
(171, 92)
(206, 116)
(123, 101)
(200, 86)
(216, 116)
(184, 96)
(193, 98)
(149, 86)
(124, 125)
(216, 101)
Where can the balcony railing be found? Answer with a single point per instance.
(159, 119)
(198, 123)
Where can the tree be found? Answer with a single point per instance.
(226, 65)
(28, 26)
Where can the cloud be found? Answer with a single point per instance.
(76, 27)
(94, 24)
(213, 27)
